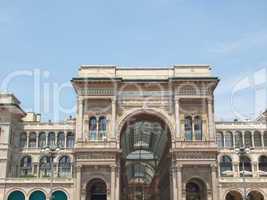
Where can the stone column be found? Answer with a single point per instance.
(112, 184)
(254, 169)
(211, 119)
(114, 103)
(118, 183)
(78, 182)
(79, 124)
(179, 182)
(262, 139)
(214, 182)
(37, 140)
(174, 182)
(46, 138)
(28, 139)
(65, 141)
(234, 139)
(243, 138)
(252, 139)
(177, 118)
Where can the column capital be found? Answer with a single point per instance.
(210, 99)
(79, 168)
(177, 99)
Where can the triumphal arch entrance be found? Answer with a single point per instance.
(145, 133)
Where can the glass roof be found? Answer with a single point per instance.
(143, 143)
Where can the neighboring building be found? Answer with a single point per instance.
(139, 133)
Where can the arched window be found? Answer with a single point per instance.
(61, 140)
(263, 164)
(257, 139)
(226, 166)
(198, 128)
(188, 128)
(26, 166)
(23, 140)
(245, 166)
(248, 139)
(42, 140)
(233, 195)
(102, 124)
(70, 140)
(255, 195)
(265, 138)
(59, 195)
(51, 139)
(238, 139)
(192, 190)
(64, 167)
(196, 189)
(32, 140)
(45, 166)
(37, 195)
(228, 139)
(16, 195)
(220, 141)
(92, 128)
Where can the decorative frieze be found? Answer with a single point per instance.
(96, 155)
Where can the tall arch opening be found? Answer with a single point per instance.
(196, 190)
(145, 161)
(96, 189)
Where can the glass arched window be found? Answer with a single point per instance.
(45, 166)
(102, 124)
(219, 139)
(198, 128)
(226, 166)
(245, 161)
(228, 139)
(188, 128)
(238, 139)
(42, 140)
(70, 140)
(32, 140)
(263, 163)
(64, 167)
(37, 195)
(92, 128)
(61, 140)
(265, 139)
(16, 195)
(59, 195)
(23, 140)
(257, 139)
(26, 166)
(248, 139)
(51, 139)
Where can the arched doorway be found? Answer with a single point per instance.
(233, 195)
(255, 195)
(145, 162)
(196, 190)
(37, 195)
(96, 190)
(16, 195)
(59, 195)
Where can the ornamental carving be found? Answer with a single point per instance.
(96, 155)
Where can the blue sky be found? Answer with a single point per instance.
(58, 36)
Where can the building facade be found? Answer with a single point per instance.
(139, 133)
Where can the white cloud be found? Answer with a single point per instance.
(245, 42)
